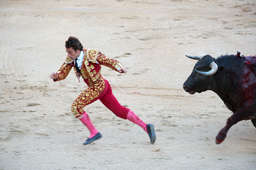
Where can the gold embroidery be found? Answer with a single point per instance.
(64, 71)
(90, 75)
(68, 60)
(111, 63)
(92, 67)
(86, 97)
(91, 54)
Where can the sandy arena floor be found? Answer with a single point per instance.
(150, 38)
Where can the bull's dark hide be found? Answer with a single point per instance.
(233, 78)
(249, 80)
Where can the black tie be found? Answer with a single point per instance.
(76, 65)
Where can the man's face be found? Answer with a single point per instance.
(73, 53)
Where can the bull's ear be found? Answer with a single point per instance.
(238, 54)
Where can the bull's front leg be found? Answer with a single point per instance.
(254, 122)
(236, 117)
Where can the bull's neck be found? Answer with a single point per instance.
(227, 90)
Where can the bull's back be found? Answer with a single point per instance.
(240, 81)
(249, 81)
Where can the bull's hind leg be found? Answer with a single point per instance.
(254, 122)
(230, 122)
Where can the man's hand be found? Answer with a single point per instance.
(54, 76)
(120, 68)
(123, 70)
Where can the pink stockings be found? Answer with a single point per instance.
(109, 100)
(85, 119)
(135, 119)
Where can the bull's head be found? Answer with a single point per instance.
(201, 78)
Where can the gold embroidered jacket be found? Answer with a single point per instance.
(91, 66)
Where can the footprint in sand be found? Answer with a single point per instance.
(156, 150)
(32, 104)
(41, 134)
(141, 72)
(125, 130)
(246, 9)
(129, 17)
(4, 136)
(4, 111)
(228, 28)
(168, 123)
(151, 38)
(123, 55)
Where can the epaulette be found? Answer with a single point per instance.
(68, 60)
(92, 56)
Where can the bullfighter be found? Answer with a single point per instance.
(87, 64)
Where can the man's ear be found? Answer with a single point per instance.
(77, 52)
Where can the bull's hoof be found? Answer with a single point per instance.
(220, 138)
(217, 141)
(254, 122)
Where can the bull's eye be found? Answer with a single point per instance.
(203, 68)
(221, 68)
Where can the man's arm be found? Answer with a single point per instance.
(111, 63)
(64, 70)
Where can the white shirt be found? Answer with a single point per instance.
(79, 60)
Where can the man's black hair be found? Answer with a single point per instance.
(74, 43)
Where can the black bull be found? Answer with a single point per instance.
(233, 79)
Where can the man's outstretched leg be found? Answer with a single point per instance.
(112, 104)
(149, 128)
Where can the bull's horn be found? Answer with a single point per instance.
(214, 69)
(193, 57)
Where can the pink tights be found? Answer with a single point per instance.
(109, 100)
